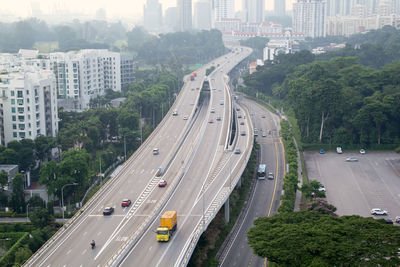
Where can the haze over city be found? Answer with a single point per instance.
(116, 8)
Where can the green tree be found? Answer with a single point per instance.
(311, 190)
(40, 217)
(307, 238)
(17, 202)
(3, 180)
(21, 255)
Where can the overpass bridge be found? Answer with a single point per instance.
(201, 169)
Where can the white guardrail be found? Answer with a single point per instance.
(59, 234)
(121, 253)
(215, 206)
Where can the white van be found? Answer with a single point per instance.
(339, 150)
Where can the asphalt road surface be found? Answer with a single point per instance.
(265, 200)
(138, 182)
(358, 187)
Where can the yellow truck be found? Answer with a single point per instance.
(169, 222)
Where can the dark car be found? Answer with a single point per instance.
(321, 151)
(108, 210)
(388, 221)
(126, 203)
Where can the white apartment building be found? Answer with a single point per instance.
(309, 17)
(85, 74)
(276, 47)
(28, 105)
(223, 9)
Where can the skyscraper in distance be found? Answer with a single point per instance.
(185, 14)
(254, 10)
(152, 15)
(280, 8)
(202, 15)
(309, 17)
(223, 9)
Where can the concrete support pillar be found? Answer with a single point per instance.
(226, 208)
(239, 184)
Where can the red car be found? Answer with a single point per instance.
(162, 183)
(126, 203)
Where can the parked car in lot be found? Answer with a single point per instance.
(388, 221)
(321, 151)
(125, 203)
(237, 151)
(377, 211)
(362, 151)
(108, 210)
(351, 159)
(162, 183)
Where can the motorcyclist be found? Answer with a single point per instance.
(93, 244)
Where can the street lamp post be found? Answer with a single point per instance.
(27, 212)
(62, 198)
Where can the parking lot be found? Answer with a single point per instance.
(357, 187)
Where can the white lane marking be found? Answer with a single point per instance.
(69, 251)
(84, 252)
(150, 247)
(85, 233)
(99, 233)
(142, 171)
(151, 172)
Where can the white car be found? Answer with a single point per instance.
(322, 189)
(379, 212)
(362, 151)
(339, 150)
(351, 159)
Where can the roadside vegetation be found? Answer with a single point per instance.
(342, 98)
(345, 98)
(91, 143)
(310, 238)
(211, 240)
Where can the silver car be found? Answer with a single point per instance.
(351, 159)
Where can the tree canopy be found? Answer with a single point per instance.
(307, 238)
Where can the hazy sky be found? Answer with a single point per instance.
(113, 7)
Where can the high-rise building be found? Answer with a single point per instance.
(152, 15)
(86, 74)
(127, 70)
(185, 14)
(309, 17)
(202, 15)
(28, 103)
(171, 19)
(280, 8)
(223, 9)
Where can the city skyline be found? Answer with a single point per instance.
(23, 8)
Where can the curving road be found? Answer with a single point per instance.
(265, 198)
(197, 172)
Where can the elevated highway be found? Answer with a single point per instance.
(199, 166)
